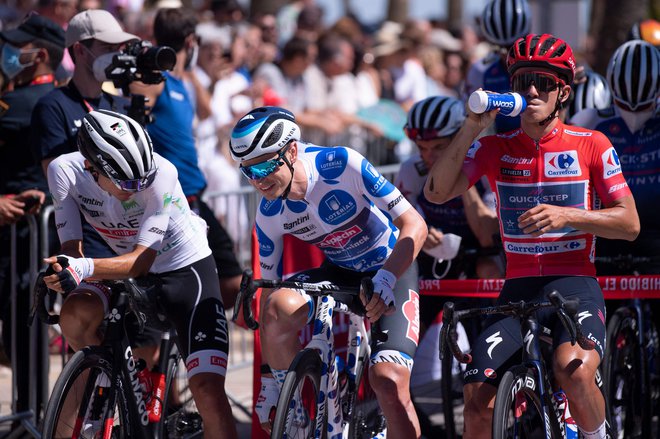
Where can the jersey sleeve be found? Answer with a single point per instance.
(270, 238)
(476, 158)
(161, 199)
(374, 186)
(606, 174)
(62, 186)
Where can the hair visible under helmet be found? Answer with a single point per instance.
(593, 92)
(435, 117)
(634, 74)
(547, 52)
(117, 147)
(503, 21)
(264, 130)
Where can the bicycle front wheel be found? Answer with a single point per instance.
(626, 377)
(518, 410)
(78, 404)
(295, 416)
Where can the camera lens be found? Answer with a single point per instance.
(156, 58)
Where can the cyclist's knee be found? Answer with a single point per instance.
(390, 382)
(574, 373)
(285, 311)
(478, 409)
(80, 318)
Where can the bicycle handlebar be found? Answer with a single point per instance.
(565, 309)
(249, 287)
(40, 291)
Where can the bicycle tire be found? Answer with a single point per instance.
(626, 377)
(367, 419)
(304, 373)
(511, 417)
(95, 360)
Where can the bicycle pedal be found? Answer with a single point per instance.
(186, 423)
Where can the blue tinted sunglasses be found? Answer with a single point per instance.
(137, 185)
(264, 169)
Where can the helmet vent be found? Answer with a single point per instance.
(274, 135)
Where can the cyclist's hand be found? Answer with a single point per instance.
(267, 402)
(542, 219)
(382, 302)
(65, 272)
(433, 239)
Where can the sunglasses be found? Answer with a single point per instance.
(543, 82)
(264, 169)
(420, 134)
(136, 185)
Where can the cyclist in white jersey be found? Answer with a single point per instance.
(333, 198)
(133, 198)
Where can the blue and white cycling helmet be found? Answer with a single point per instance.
(264, 130)
(504, 21)
(594, 92)
(434, 117)
(634, 74)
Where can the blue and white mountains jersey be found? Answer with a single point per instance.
(347, 212)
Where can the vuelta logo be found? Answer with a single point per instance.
(562, 164)
(411, 312)
(341, 238)
(611, 163)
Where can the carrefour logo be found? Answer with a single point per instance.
(336, 207)
(562, 164)
(331, 162)
(374, 182)
(611, 163)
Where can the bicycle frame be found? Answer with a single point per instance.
(323, 342)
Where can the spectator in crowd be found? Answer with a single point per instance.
(501, 30)
(433, 62)
(173, 137)
(60, 12)
(410, 84)
(31, 54)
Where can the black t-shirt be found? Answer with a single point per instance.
(58, 116)
(20, 170)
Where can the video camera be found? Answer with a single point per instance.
(140, 61)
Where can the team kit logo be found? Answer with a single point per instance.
(611, 163)
(561, 164)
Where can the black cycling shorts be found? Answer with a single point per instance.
(402, 327)
(498, 347)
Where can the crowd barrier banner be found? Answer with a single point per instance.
(614, 287)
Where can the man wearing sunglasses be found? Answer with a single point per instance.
(546, 176)
(133, 198)
(333, 198)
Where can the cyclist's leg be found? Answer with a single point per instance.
(82, 313)
(191, 299)
(392, 360)
(575, 369)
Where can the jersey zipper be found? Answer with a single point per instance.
(539, 188)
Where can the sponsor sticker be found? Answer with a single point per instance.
(561, 164)
(611, 163)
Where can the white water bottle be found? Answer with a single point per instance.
(510, 104)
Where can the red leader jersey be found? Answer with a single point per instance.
(571, 167)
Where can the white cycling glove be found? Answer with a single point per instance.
(74, 270)
(267, 400)
(384, 282)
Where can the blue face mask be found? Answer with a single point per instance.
(11, 60)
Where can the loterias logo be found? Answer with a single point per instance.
(562, 164)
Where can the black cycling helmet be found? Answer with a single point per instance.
(634, 74)
(119, 148)
(434, 117)
(504, 21)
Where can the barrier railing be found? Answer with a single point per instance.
(614, 287)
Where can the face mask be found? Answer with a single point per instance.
(191, 62)
(100, 64)
(11, 60)
(635, 120)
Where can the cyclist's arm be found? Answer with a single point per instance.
(412, 234)
(481, 219)
(446, 180)
(619, 220)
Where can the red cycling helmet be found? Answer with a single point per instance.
(545, 51)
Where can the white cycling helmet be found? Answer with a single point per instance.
(634, 74)
(594, 92)
(504, 21)
(119, 148)
(264, 130)
(434, 117)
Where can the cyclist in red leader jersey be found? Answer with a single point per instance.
(546, 176)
